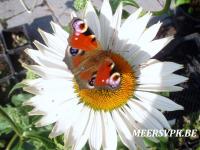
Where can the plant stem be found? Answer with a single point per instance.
(164, 10)
(10, 121)
(35, 136)
(133, 3)
(11, 142)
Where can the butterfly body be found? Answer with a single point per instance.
(92, 67)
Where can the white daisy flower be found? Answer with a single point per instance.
(99, 116)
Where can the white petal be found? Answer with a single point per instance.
(130, 20)
(58, 93)
(156, 45)
(160, 69)
(31, 90)
(132, 30)
(44, 87)
(109, 132)
(81, 129)
(149, 50)
(65, 120)
(57, 83)
(46, 120)
(139, 57)
(129, 52)
(36, 111)
(105, 21)
(44, 61)
(159, 88)
(142, 116)
(31, 82)
(150, 62)
(137, 28)
(49, 73)
(59, 31)
(149, 34)
(168, 80)
(95, 139)
(157, 114)
(116, 22)
(53, 116)
(93, 20)
(47, 51)
(44, 99)
(134, 125)
(54, 42)
(123, 130)
(66, 92)
(158, 101)
(54, 104)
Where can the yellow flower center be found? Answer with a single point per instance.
(105, 99)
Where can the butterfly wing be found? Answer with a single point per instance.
(91, 66)
(82, 37)
(85, 65)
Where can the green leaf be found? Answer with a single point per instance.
(182, 2)
(163, 139)
(5, 127)
(17, 86)
(165, 9)
(40, 137)
(131, 3)
(27, 145)
(19, 147)
(34, 145)
(149, 143)
(163, 146)
(120, 145)
(7, 117)
(59, 141)
(114, 3)
(11, 142)
(165, 94)
(18, 99)
(125, 14)
(31, 75)
(19, 117)
(80, 4)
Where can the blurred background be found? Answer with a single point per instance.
(19, 21)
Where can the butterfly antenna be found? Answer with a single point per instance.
(72, 15)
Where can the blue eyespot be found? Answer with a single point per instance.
(73, 51)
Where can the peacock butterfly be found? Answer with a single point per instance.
(92, 67)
